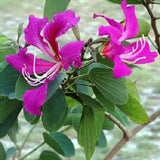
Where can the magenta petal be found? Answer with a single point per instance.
(22, 59)
(71, 53)
(34, 99)
(131, 23)
(113, 32)
(141, 53)
(33, 34)
(120, 69)
(112, 22)
(62, 23)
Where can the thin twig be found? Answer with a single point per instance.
(131, 133)
(29, 153)
(118, 123)
(146, 4)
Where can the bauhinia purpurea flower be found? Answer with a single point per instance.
(43, 35)
(135, 53)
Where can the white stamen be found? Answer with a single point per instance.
(135, 50)
(39, 79)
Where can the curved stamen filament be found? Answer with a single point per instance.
(135, 52)
(40, 79)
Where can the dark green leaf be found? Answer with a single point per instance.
(83, 86)
(134, 111)
(2, 152)
(90, 129)
(87, 100)
(21, 87)
(87, 133)
(113, 89)
(7, 107)
(48, 155)
(109, 106)
(9, 122)
(12, 133)
(3, 65)
(8, 78)
(53, 6)
(144, 28)
(54, 85)
(128, 1)
(32, 119)
(102, 142)
(54, 111)
(60, 143)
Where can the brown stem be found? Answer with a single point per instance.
(131, 133)
(118, 123)
(153, 22)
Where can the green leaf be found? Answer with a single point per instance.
(11, 152)
(9, 122)
(48, 155)
(7, 107)
(87, 100)
(32, 119)
(134, 111)
(60, 143)
(71, 102)
(102, 142)
(54, 111)
(8, 78)
(87, 135)
(12, 133)
(144, 28)
(109, 106)
(113, 89)
(6, 47)
(108, 124)
(132, 90)
(2, 152)
(128, 1)
(53, 6)
(90, 129)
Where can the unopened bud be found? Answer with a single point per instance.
(76, 32)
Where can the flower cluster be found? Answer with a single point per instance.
(43, 35)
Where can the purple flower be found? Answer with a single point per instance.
(135, 53)
(39, 72)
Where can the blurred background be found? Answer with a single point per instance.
(146, 144)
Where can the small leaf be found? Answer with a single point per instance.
(134, 111)
(111, 88)
(53, 6)
(54, 111)
(48, 155)
(102, 142)
(71, 102)
(9, 122)
(7, 107)
(2, 152)
(32, 119)
(12, 133)
(128, 1)
(60, 143)
(144, 28)
(11, 152)
(108, 124)
(20, 31)
(8, 78)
